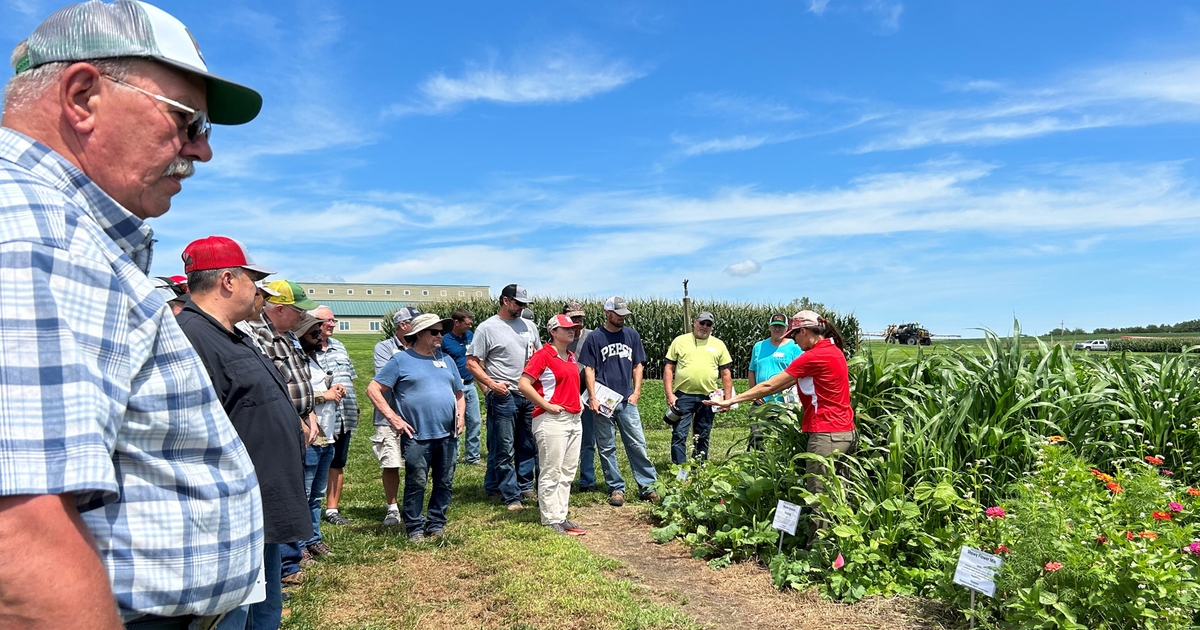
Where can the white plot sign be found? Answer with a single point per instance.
(787, 516)
(976, 570)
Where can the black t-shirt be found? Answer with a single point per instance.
(255, 397)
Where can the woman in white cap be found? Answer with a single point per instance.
(821, 375)
(551, 382)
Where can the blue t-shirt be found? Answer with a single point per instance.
(424, 389)
(613, 355)
(456, 347)
(767, 360)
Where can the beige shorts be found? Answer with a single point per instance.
(386, 446)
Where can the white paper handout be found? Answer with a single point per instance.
(608, 399)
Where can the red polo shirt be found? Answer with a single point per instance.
(556, 380)
(824, 384)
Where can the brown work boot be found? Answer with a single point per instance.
(294, 579)
(306, 558)
(652, 497)
(320, 549)
(616, 499)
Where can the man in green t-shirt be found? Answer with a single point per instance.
(695, 361)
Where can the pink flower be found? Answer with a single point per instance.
(839, 562)
(996, 512)
(1053, 566)
(1001, 550)
(1167, 472)
(1193, 548)
(1175, 507)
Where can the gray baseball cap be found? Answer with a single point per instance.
(404, 314)
(617, 305)
(126, 28)
(705, 316)
(516, 293)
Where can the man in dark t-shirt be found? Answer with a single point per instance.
(221, 279)
(613, 356)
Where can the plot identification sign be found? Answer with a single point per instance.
(976, 570)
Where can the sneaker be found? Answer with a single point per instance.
(336, 518)
(616, 499)
(293, 579)
(513, 507)
(558, 528)
(573, 529)
(319, 549)
(530, 495)
(392, 519)
(306, 558)
(416, 538)
(652, 497)
(478, 462)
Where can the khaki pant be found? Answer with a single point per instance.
(825, 444)
(559, 438)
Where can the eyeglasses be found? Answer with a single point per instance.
(329, 321)
(705, 324)
(196, 126)
(437, 332)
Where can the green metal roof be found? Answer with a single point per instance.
(364, 308)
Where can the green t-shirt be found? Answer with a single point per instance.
(697, 363)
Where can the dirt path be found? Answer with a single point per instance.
(739, 597)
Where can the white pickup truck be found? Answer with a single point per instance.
(1098, 344)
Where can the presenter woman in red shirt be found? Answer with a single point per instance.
(824, 383)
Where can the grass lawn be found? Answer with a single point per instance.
(494, 568)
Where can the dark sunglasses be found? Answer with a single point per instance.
(197, 123)
(708, 324)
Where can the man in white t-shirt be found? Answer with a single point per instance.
(496, 358)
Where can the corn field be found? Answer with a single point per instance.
(658, 322)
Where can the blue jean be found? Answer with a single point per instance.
(420, 456)
(587, 453)
(512, 453)
(692, 410)
(628, 420)
(316, 480)
(470, 436)
(267, 614)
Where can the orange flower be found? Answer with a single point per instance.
(1194, 492)
(1157, 461)
(1114, 487)
(1056, 438)
(1128, 535)
(1106, 477)
(1149, 535)
(1161, 516)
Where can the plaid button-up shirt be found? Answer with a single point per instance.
(283, 349)
(105, 398)
(336, 360)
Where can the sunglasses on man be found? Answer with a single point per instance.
(197, 125)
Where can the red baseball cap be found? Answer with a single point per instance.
(218, 252)
(561, 321)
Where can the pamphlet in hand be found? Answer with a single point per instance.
(608, 399)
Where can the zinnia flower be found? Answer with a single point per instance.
(1161, 516)
(1105, 477)
(1167, 472)
(1128, 535)
(1193, 548)
(1114, 487)
(996, 512)
(1157, 461)
(1053, 566)
(1175, 507)
(1003, 550)
(839, 562)
(1149, 535)
(1101, 539)
(1193, 492)
(1056, 438)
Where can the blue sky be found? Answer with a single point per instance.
(954, 163)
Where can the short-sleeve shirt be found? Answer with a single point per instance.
(767, 360)
(613, 355)
(555, 379)
(697, 363)
(424, 390)
(253, 393)
(505, 346)
(334, 358)
(824, 383)
(105, 398)
(456, 347)
(384, 351)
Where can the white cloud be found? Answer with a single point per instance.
(719, 145)
(1119, 95)
(887, 12)
(817, 6)
(564, 74)
(749, 109)
(742, 269)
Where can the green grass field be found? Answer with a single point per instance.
(494, 568)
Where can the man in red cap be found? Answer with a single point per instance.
(223, 280)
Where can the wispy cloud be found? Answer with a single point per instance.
(1119, 95)
(561, 74)
(887, 12)
(719, 145)
(817, 6)
(742, 269)
(742, 108)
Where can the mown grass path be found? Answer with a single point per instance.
(500, 569)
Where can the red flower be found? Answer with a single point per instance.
(1149, 535)
(1161, 516)
(1053, 566)
(1101, 539)
(1114, 487)
(1128, 535)
(1193, 492)
(1002, 550)
(1157, 461)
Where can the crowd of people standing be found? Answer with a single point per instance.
(169, 448)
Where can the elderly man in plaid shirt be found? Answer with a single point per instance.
(335, 359)
(126, 496)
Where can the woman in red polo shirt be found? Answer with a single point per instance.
(551, 382)
(824, 383)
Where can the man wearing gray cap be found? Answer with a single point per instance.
(134, 500)
(496, 358)
(695, 361)
(386, 442)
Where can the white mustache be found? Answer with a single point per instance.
(182, 168)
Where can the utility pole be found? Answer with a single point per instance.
(687, 307)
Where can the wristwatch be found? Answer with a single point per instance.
(320, 399)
